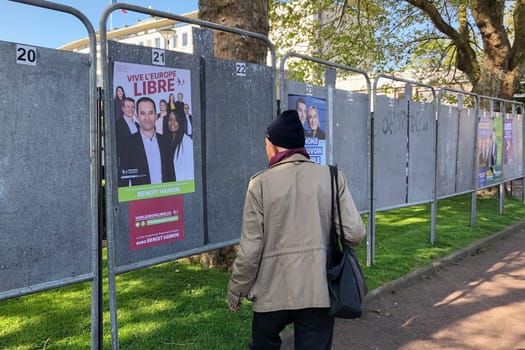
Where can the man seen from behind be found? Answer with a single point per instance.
(281, 262)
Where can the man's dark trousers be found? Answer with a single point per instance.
(313, 329)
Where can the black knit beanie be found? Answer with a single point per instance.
(286, 131)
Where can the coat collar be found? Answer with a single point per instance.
(296, 157)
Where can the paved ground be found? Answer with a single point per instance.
(473, 299)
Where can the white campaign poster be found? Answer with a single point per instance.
(154, 131)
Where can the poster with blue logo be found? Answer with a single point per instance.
(312, 112)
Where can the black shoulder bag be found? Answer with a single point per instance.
(346, 283)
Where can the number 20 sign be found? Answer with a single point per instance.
(26, 55)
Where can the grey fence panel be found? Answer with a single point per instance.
(45, 190)
(350, 140)
(192, 202)
(447, 150)
(390, 152)
(512, 146)
(456, 140)
(517, 144)
(238, 112)
(466, 149)
(422, 135)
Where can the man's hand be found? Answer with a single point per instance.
(234, 308)
(234, 301)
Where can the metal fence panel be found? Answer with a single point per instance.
(512, 146)
(421, 155)
(45, 187)
(447, 149)
(390, 152)
(351, 140)
(239, 110)
(192, 202)
(466, 146)
(517, 143)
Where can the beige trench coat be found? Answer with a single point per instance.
(281, 262)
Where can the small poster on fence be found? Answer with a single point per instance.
(312, 112)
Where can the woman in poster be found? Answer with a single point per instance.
(120, 96)
(171, 102)
(314, 124)
(161, 124)
(181, 147)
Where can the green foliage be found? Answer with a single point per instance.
(179, 305)
(337, 31)
(380, 36)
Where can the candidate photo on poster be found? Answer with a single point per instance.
(490, 141)
(312, 113)
(507, 141)
(153, 131)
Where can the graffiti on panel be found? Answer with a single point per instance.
(395, 121)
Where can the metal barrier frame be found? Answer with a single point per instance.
(110, 198)
(96, 249)
(433, 209)
(372, 187)
(95, 156)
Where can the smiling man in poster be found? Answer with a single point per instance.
(145, 155)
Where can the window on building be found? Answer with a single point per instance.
(157, 43)
(174, 40)
(184, 39)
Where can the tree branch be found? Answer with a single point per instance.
(489, 19)
(466, 58)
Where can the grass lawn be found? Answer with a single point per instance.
(178, 305)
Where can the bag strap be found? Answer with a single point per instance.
(334, 199)
(337, 239)
(340, 238)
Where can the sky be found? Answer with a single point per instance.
(26, 24)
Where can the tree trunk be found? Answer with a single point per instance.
(249, 15)
(497, 78)
(497, 83)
